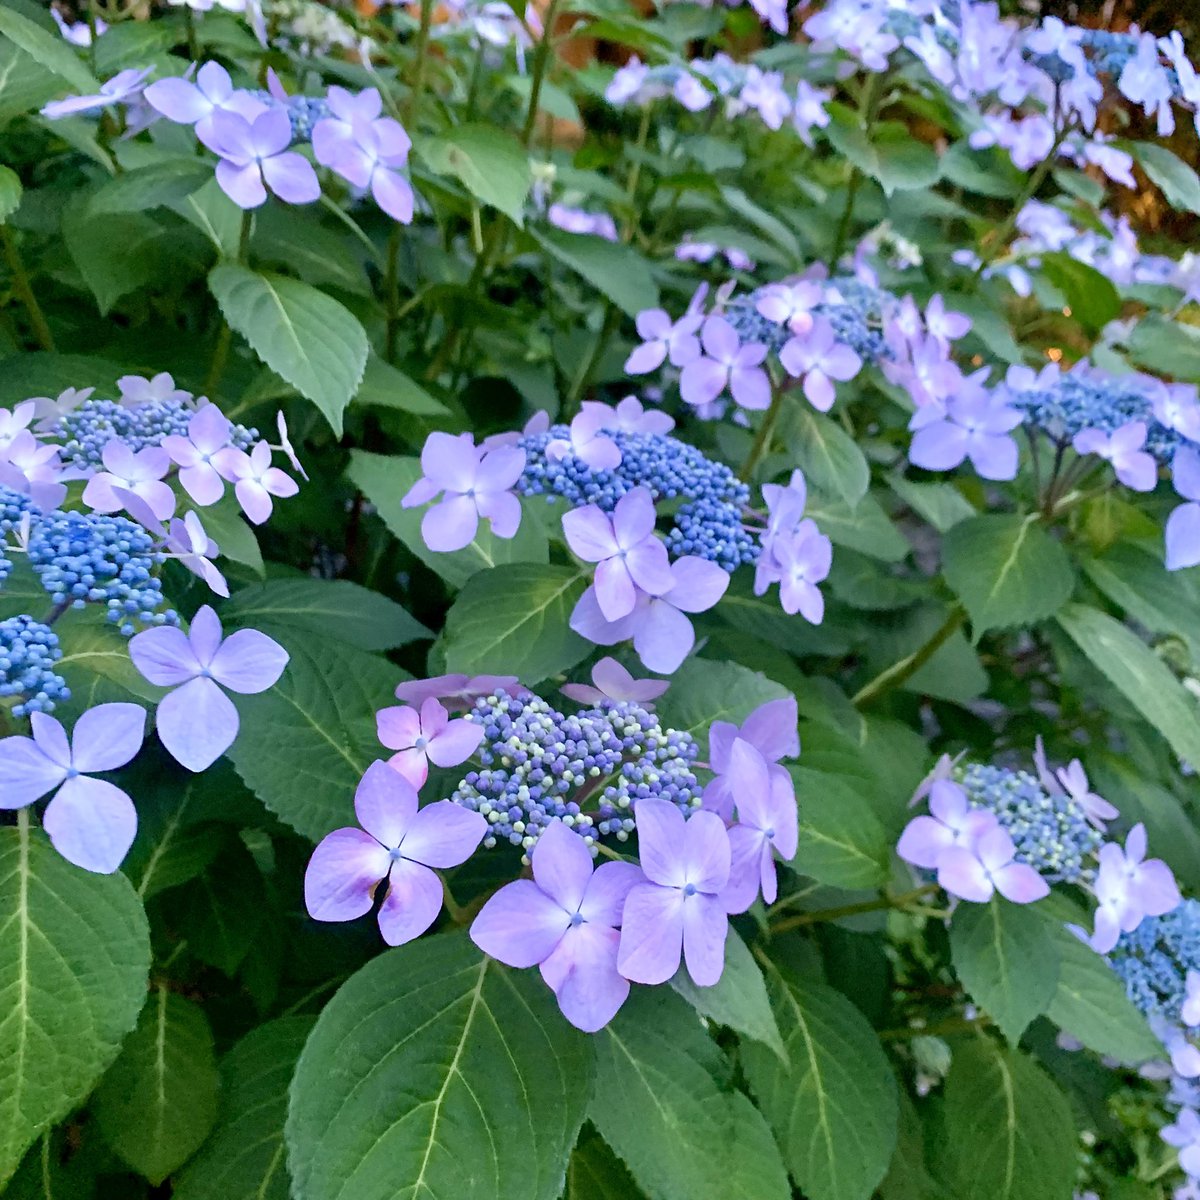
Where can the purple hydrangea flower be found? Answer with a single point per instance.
(726, 363)
(678, 909)
(819, 358)
(208, 433)
(564, 920)
(975, 424)
(254, 155)
(254, 480)
(588, 442)
(1128, 887)
(978, 872)
(139, 472)
(196, 721)
(790, 304)
(137, 390)
(663, 340)
(629, 558)
(336, 131)
(91, 822)
(952, 823)
(771, 730)
(475, 482)
(120, 89)
(1135, 467)
(1184, 1135)
(371, 159)
(191, 546)
(631, 416)
(428, 735)
(662, 635)
(401, 846)
(766, 824)
(187, 103)
(614, 682)
(800, 561)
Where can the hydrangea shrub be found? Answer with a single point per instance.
(598, 601)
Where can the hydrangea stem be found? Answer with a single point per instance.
(821, 915)
(225, 336)
(902, 671)
(24, 290)
(413, 108)
(541, 61)
(762, 440)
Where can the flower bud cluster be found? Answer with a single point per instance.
(28, 652)
(1154, 960)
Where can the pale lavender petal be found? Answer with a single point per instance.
(520, 925)
(456, 743)
(699, 584)
(51, 739)
(205, 634)
(562, 866)
(961, 874)
(107, 737)
(1183, 537)
(502, 509)
(412, 764)
(819, 390)
(650, 567)
(450, 525)
(588, 621)
(751, 389)
(705, 927)
(583, 974)
(91, 823)
(443, 834)
(164, 656)
(702, 381)
(26, 774)
(646, 358)
(342, 875)
(398, 726)
(939, 447)
(393, 194)
(589, 533)
(750, 782)
(662, 837)
(243, 185)
(924, 841)
(500, 469)
(254, 499)
(197, 723)
(1020, 883)
(651, 933)
(772, 729)
(248, 662)
(615, 590)
(178, 100)
(705, 851)
(385, 804)
(742, 889)
(663, 636)
(604, 900)
(413, 901)
(450, 461)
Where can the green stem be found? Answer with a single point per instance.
(93, 30)
(635, 173)
(537, 76)
(588, 365)
(902, 671)
(413, 110)
(762, 440)
(24, 290)
(47, 1190)
(189, 21)
(843, 230)
(821, 915)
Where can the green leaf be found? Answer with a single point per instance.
(596, 1173)
(385, 387)
(1138, 674)
(842, 842)
(303, 335)
(888, 154)
(74, 959)
(1007, 960)
(384, 480)
(234, 535)
(438, 1074)
(941, 504)
(158, 1101)
(661, 1103)
(116, 253)
(171, 847)
(908, 1177)
(304, 744)
(97, 666)
(10, 193)
(326, 608)
(513, 620)
(215, 215)
(1008, 1133)
(1166, 347)
(703, 691)
(488, 161)
(1091, 295)
(244, 1159)
(1179, 183)
(615, 270)
(738, 999)
(1091, 1005)
(988, 172)
(833, 1105)
(47, 51)
(865, 527)
(156, 185)
(1007, 570)
(828, 456)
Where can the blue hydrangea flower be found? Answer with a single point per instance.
(587, 768)
(707, 524)
(28, 652)
(1153, 960)
(1051, 833)
(87, 558)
